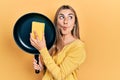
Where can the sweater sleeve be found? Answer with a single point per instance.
(73, 59)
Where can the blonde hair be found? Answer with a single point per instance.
(58, 45)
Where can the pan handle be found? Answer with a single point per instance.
(37, 59)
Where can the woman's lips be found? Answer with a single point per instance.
(64, 28)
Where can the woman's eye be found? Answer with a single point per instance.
(70, 17)
(61, 17)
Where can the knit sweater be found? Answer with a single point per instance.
(64, 65)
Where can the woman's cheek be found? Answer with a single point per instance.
(59, 23)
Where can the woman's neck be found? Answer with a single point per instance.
(68, 39)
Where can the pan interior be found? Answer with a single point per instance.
(22, 30)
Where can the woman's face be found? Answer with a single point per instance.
(65, 21)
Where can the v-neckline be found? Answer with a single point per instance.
(71, 42)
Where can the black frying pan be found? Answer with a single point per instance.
(22, 30)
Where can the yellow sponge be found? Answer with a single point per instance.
(39, 28)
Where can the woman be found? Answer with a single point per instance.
(64, 58)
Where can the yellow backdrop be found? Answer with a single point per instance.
(99, 29)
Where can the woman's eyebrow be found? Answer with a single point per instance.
(60, 14)
(70, 14)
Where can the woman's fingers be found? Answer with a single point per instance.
(36, 39)
(32, 39)
(35, 42)
(36, 35)
(37, 66)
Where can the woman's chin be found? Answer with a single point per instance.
(64, 33)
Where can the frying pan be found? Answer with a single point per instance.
(22, 30)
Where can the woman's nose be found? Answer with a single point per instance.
(65, 21)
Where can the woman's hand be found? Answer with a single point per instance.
(38, 66)
(36, 42)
